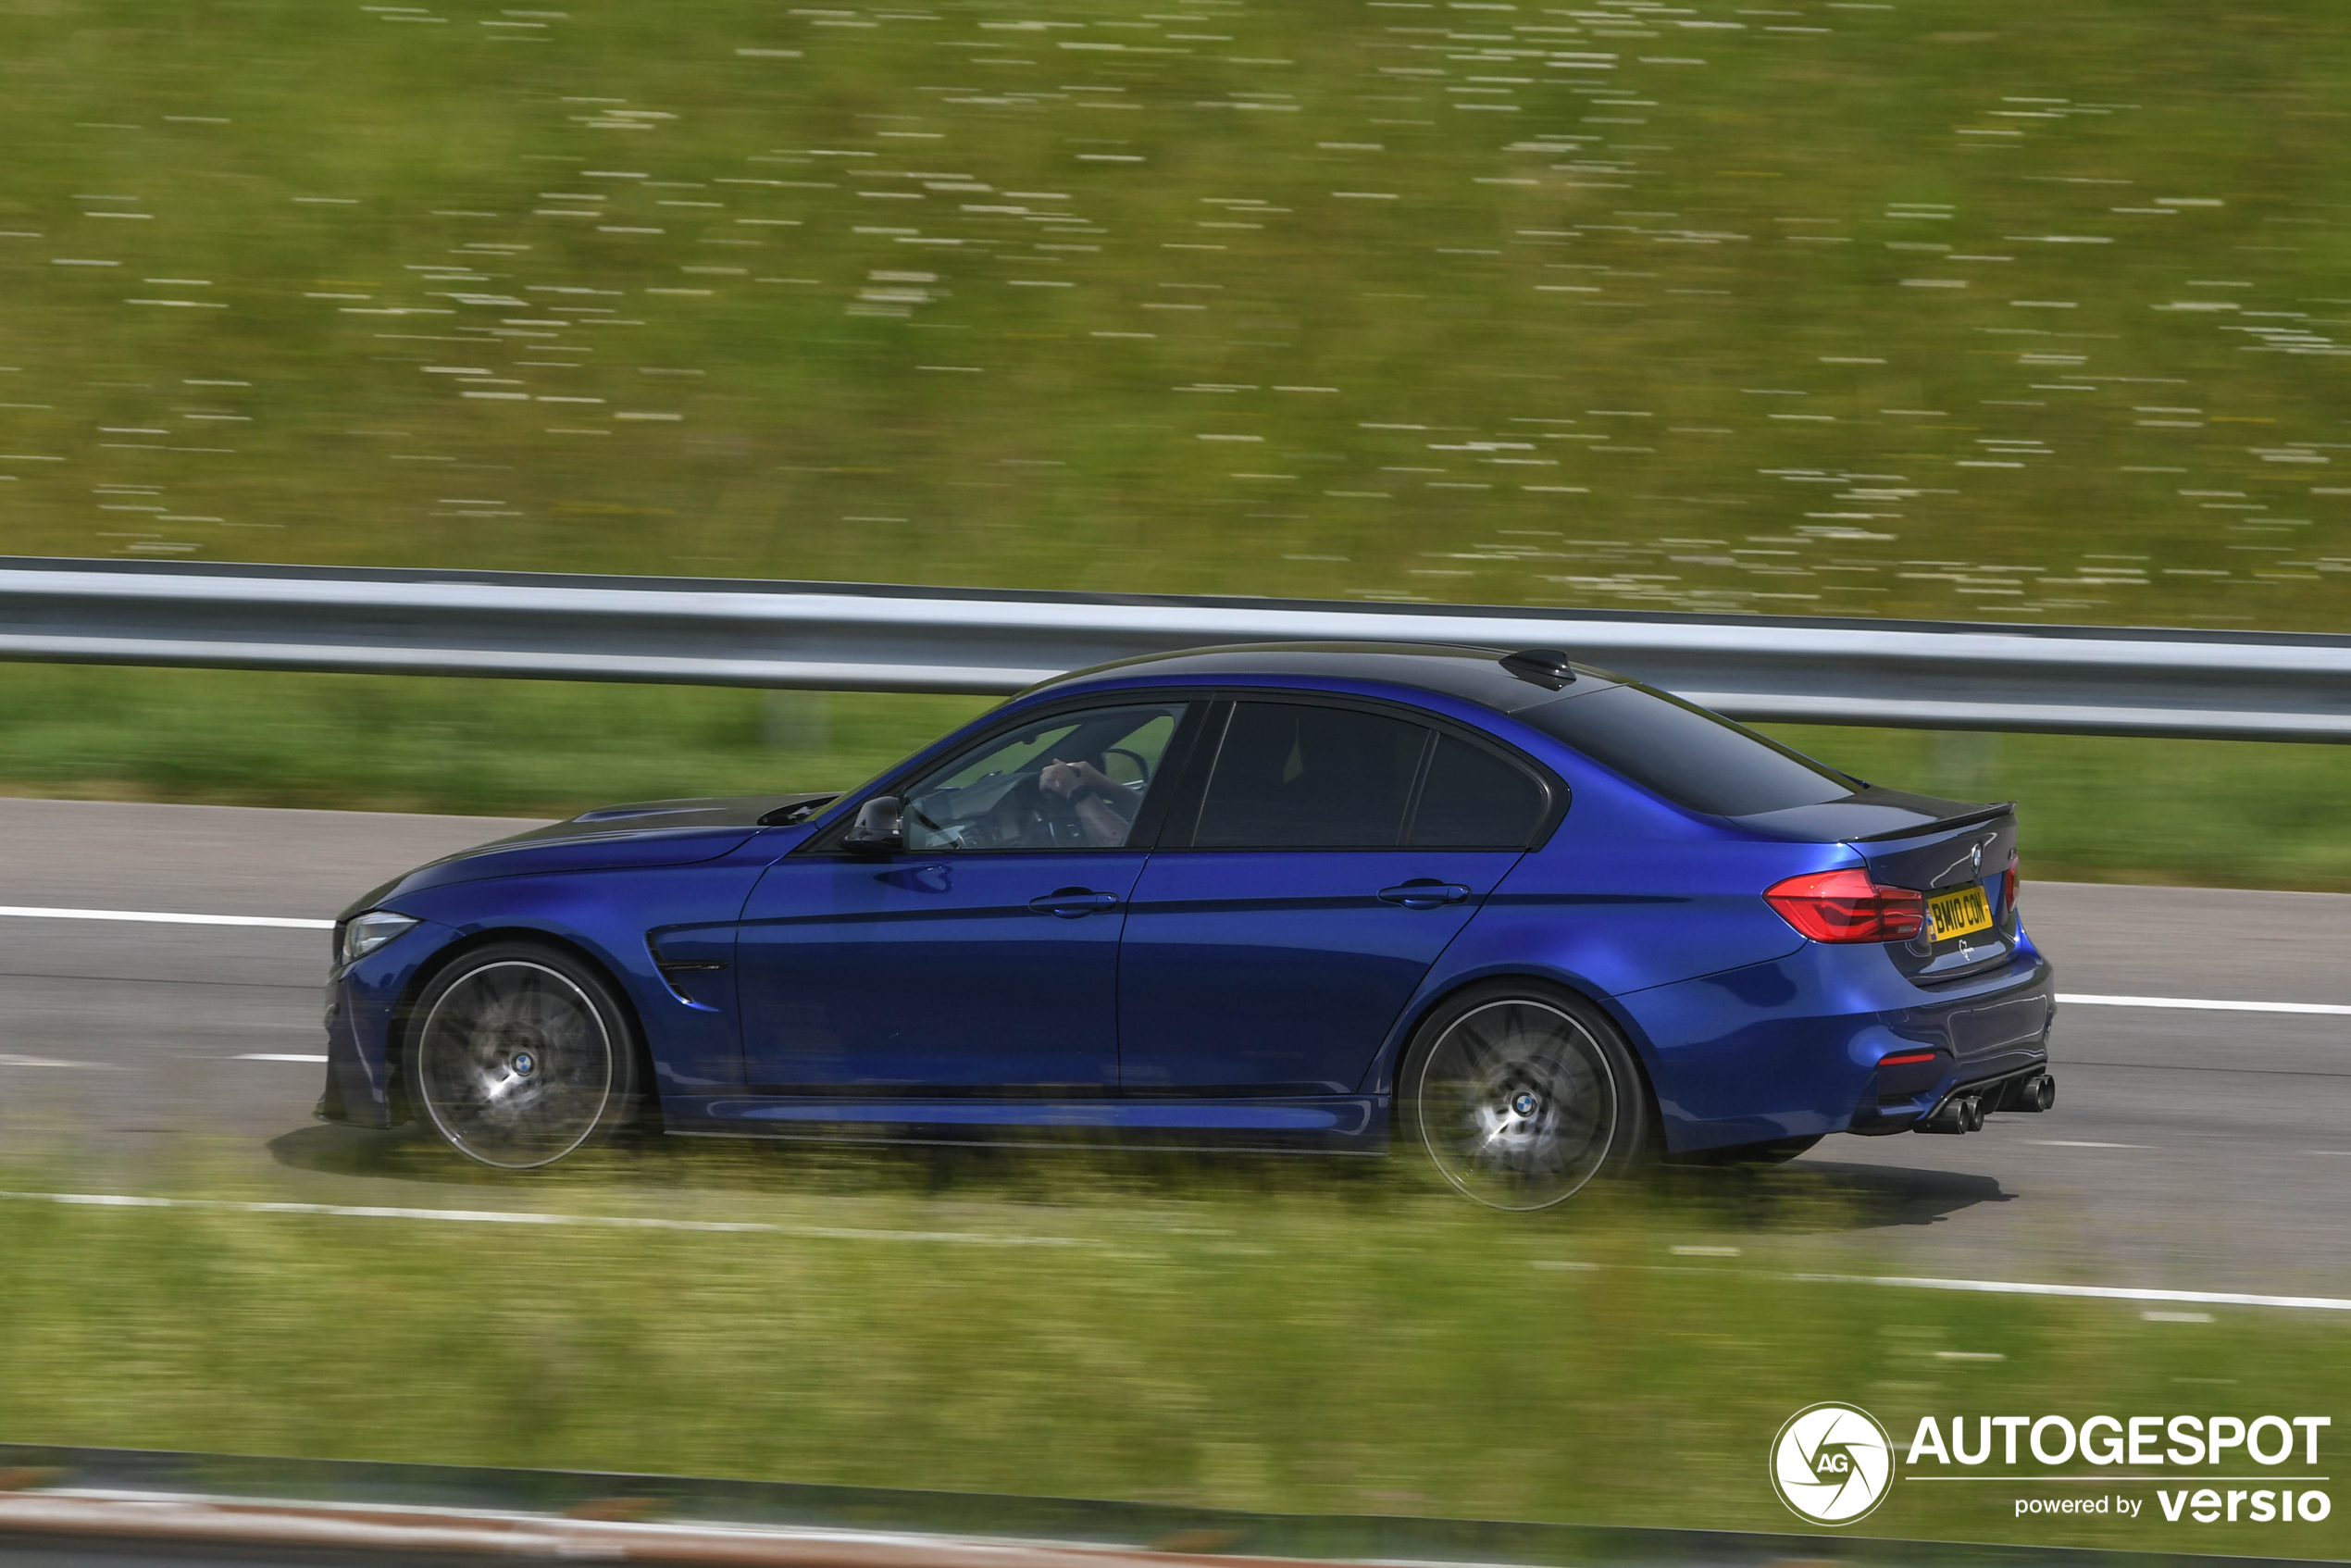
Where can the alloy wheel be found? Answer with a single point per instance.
(1516, 1104)
(514, 1064)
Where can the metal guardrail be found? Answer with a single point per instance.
(2274, 686)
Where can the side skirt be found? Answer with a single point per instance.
(1342, 1123)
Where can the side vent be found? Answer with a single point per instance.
(692, 960)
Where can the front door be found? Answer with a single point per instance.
(983, 957)
(1335, 853)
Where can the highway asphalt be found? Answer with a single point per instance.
(2191, 1149)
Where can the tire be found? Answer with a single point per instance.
(519, 1054)
(1520, 1093)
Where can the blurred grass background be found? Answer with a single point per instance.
(1982, 309)
(1282, 1336)
(1992, 310)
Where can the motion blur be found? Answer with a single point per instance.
(2002, 313)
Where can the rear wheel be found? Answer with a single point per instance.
(521, 1053)
(1520, 1095)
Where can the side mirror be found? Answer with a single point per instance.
(879, 828)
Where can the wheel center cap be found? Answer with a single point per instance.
(1524, 1103)
(524, 1064)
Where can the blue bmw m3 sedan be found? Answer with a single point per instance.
(1521, 918)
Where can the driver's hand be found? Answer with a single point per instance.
(1062, 777)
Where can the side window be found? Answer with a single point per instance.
(1075, 780)
(1473, 799)
(1293, 775)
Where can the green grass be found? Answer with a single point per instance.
(394, 744)
(1982, 308)
(2227, 814)
(2206, 813)
(1283, 1336)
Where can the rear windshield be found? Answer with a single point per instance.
(1686, 755)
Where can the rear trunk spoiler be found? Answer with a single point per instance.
(1980, 813)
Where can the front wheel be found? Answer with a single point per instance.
(520, 1053)
(1520, 1095)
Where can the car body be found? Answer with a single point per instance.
(1265, 869)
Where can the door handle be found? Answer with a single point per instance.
(1070, 904)
(1424, 892)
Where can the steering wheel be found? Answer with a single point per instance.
(1047, 819)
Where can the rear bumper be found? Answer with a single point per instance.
(1794, 1048)
(1877, 1117)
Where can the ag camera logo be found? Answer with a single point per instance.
(1832, 1463)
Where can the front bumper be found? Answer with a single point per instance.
(366, 1008)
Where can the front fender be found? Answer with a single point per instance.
(611, 917)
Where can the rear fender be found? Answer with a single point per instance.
(1379, 1079)
(1380, 1082)
(1585, 912)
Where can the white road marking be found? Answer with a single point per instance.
(502, 1216)
(500, 1533)
(157, 917)
(9, 1061)
(2095, 1292)
(2020, 1287)
(278, 1056)
(2322, 1009)
(2043, 1142)
(846, 1233)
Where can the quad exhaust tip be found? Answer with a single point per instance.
(1961, 1112)
(1964, 1113)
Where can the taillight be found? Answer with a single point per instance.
(2009, 887)
(1846, 907)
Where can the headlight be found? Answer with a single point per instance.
(369, 931)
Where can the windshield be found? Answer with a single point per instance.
(1692, 758)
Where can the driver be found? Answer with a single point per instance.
(1106, 810)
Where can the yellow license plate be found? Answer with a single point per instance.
(1960, 912)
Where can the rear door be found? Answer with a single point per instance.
(1325, 854)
